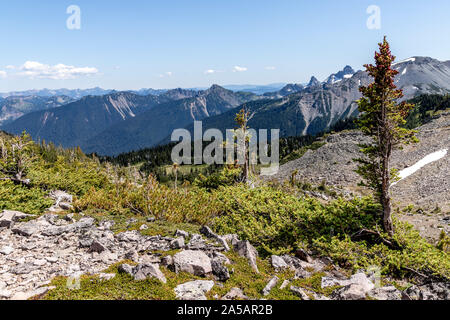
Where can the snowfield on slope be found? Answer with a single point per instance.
(432, 157)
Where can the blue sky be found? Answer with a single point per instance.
(165, 44)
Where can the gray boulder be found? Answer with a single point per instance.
(6, 250)
(235, 294)
(386, 293)
(8, 218)
(278, 263)
(97, 246)
(177, 243)
(245, 249)
(145, 271)
(29, 228)
(132, 255)
(352, 291)
(206, 231)
(193, 290)
(300, 293)
(272, 283)
(194, 262)
(126, 268)
(84, 223)
(219, 270)
(182, 233)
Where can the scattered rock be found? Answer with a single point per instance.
(126, 268)
(29, 228)
(132, 255)
(177, 243)
(5, 294)
(145, 271)
(272, 283)
(8, 218)
(167, 261)
(194, 290)
(129, 236)
(206, 231)
(60, 196)
(97, 246)
(235, 294)
(386, 293)
(303, 255)
(181, 233)
(106, 276)
(300, 293)
(6, 250)
(284, 284)
(194, 262)
(354, 291)
(143, 227)
(278, 263)
(245, 249)
(358, 278)
(219, 256)
(84, 223)
(431, 291)
(219, 270)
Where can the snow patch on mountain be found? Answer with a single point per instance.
(432, 157)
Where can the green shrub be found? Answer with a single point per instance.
(73, 176)
(20, 198)
(228, 176)
(279, 223)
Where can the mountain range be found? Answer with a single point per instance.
(123, 121)
(13, 107)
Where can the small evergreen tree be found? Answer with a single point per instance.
(383, 119)
(242, 119)
(16, 157)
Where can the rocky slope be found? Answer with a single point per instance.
(427, 189)
(33, 253)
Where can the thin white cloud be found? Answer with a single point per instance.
(270, 68)
(239, 69)
(10, 67)
(37, 70)
(3, 74)
(167, 74)
(210, 71)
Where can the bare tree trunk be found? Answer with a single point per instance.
(176, 179)
(385, 183)
(246, 158)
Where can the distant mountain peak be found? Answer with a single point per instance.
(345, 73)
(313, 82)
